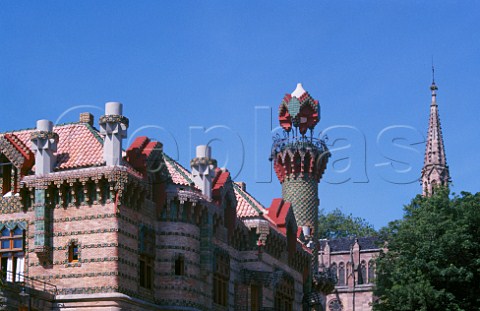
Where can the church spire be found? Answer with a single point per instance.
(435, 169)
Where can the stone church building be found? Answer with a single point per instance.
(352, 260)
(89, 224)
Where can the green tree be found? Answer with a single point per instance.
(433, 257)
(336, 224)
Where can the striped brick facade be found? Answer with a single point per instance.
(137, 237)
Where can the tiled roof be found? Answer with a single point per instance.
(141, 152)
(222, 176)
(179, 174)
(247, 206)
(344, 244)
(278, 211)
(79, 145)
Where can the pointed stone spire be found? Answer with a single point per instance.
(435, 169)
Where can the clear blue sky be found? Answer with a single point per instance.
(180, 64)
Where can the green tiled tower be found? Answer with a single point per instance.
(300, 159)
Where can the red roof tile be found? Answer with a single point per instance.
(221, 177)
(247, 206)
(179, 174)
(79, 145)
(139, 152)
(277, 213)
(27, 154)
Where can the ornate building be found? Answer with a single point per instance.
(87, 225)
(352, 260)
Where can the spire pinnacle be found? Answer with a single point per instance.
(433, 73)
(433, 87)
(435, 169)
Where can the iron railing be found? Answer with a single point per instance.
(297, 142)
(29, 282)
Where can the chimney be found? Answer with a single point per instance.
(307, 231)
(86, 117)
(113, 127)
(203, 169)
(44, 142)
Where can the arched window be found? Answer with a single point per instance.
(434, 186)
(350, 273)
(341, 274)
(362, 278)
(73, 252)
(333, 269)
(371, 271)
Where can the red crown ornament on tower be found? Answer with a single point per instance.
(299, 110)
(298, 156)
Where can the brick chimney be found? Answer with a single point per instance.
(86, 117)
(113, 127)
(44, 142)
(203, 169)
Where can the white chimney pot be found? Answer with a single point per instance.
(113, 108)
(306, 231)
(45, 125)
(204, 151)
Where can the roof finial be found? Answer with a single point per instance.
(433, 72)
(433, 87)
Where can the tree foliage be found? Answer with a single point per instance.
(336, 224)
(433, 257)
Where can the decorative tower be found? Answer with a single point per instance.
(44, 143)
(203, 169)
(299, 160)
(113, 126)
(435, 169)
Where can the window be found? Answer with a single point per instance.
(12, 240)
(146, 250)
(333, 269)
(80, 194)
(73, 252)
(221, 279)
(254, 297)
(362, 278)
(230, 215)
(284, 295)
(146, 272)
(371, 271)
(11, 254)
(291, 242)
(92, 192)
(341, 274)
(5, 174)
(180, 265)
(105, 192)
